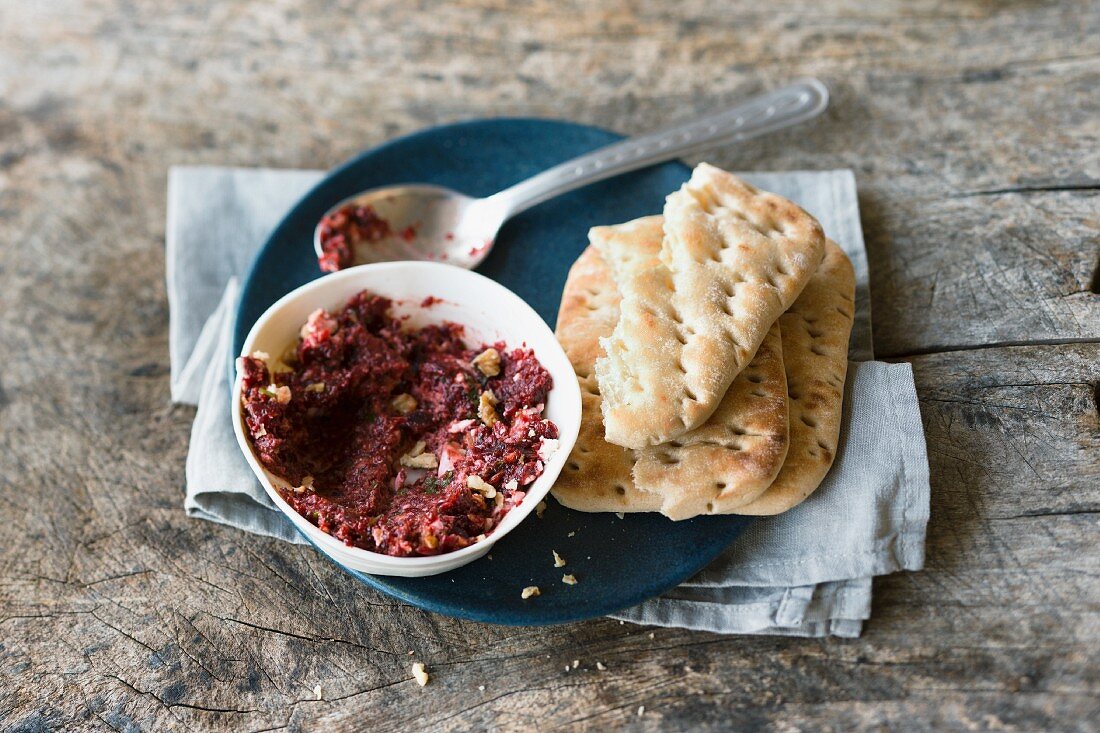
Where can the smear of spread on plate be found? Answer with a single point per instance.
(398, 440)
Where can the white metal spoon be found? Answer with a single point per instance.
(425, 222)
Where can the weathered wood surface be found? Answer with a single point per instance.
(974, 130)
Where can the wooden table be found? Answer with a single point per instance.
(974, 132)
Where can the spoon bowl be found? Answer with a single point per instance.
(422, 222)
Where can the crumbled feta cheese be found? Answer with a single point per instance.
(540, 509)
(317, 691)
(403, 403)
(481, 688)
(315, 387)
(531, 590)
(641, 710)
(281, 394)
(559, 561)
(486, 408)
(570, 534)
(620, 515)
(512, 485)
(576, 663)
(600, 666)
(479, 485)
(260, 433)
(547, 448)
(419, 673)
(261, 355)
(488, 362)
(569, 579)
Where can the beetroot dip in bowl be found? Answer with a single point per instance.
(404, 415)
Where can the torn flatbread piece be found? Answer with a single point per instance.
(726, 462)
(816, 330)
(733, 258)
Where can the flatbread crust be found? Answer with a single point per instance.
(733, 258)
(815, 350)
(726, 462)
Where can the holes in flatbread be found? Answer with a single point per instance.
(720, 485)
(667, 458)
(690, 395)
(582, 450)
(620, 489)
(726, 308)
(681, 367)
(675, 444)
(591, 306)
(754, 378)
(823, 447)
(710, 507)
(794, 395)
(681, 337)
(783, 270)
(808, 422)
(730, 289)
(736, 430)
(815, 349)
(843, 312)
(815, 333)
(772, 282)
(757, 393)
(573, 466)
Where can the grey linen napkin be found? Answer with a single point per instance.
(806, 572)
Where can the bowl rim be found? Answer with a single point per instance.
(567, 433)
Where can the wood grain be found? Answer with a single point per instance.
(972, 128)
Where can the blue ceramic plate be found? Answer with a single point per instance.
(617, 562)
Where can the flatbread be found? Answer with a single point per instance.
(734, 456)
(726, 462)
(815, 350)
(596, 478)
(733, 258)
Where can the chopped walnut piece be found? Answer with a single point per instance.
(531, 590)
(315, 387)
(281, 394)
(307, 484)
(403, 403)
(569, 579)
(559, 561)
(479, 485)
(417, 458)
(419, 673)
(431, 541)
(486, 408)
(488, 362)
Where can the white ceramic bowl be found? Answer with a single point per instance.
(489, 311)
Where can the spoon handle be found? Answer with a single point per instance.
(774, 110)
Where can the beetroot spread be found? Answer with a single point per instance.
(345, 229)
(397, 440)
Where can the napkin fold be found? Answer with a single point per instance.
(806, 572)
